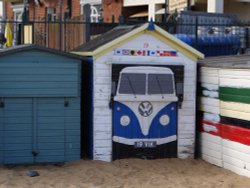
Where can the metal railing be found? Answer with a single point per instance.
(211, 39)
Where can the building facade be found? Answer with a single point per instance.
(237, 7)
(50, 9)
(133, 10)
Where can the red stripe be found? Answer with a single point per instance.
(237, 134)
(225, 131)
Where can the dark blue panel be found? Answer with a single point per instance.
(133, 130)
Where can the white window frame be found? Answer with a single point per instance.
(94, 15)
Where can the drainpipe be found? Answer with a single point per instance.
(4, 10)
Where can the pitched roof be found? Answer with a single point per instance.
(123, 34)
(228, 62)
(105, 38)
(28, 47)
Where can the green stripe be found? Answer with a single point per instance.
(235, 91)
(234, 98)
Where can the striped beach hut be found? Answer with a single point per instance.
(224, 103)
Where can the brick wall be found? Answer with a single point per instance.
(111, 7)
(38, 12)
(115, 7)
(8, 10)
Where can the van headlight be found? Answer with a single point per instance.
(125, 120)
(164, 120)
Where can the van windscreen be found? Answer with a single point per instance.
(160, 84)
(133, 83)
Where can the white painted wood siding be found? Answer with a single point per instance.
(102, 90)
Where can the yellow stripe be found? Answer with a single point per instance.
(235, 106)
(235, 114)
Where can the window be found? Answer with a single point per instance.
(160, 84)
(133, 83)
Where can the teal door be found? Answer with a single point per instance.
(50, 131)
(16, 130)
(32, 130)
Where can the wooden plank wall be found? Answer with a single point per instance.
(224, 125)
(36, 73)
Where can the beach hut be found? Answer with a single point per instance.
(224, 104)
(40, 99)
(144, 94)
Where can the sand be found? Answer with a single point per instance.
(131, 173)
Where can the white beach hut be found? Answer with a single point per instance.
(144, 94)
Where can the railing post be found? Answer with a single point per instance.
(65, 35)
(113, 19)
(87, 13)
(247, 37)
(60, 24)
(120, 20)
(196, 33)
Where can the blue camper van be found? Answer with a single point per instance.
(145, 113)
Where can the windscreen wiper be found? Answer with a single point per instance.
(159, 84)
(131, 86)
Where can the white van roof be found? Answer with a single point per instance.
(147, 70)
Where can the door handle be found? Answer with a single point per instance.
(35, 153)
(1, 103)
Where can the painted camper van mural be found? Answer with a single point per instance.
(145, 113)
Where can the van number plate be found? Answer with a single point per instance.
(145, 144)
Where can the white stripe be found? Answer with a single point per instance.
(210, 109)
(211, 117)
(209, 101)
(212, 94)
(158, 141)
(209, 128)
(233, 82)
(210, 87)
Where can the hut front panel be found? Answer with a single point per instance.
(39, 108)
(102, 140)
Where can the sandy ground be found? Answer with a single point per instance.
(136, 173)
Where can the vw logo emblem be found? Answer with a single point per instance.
(145, 108)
